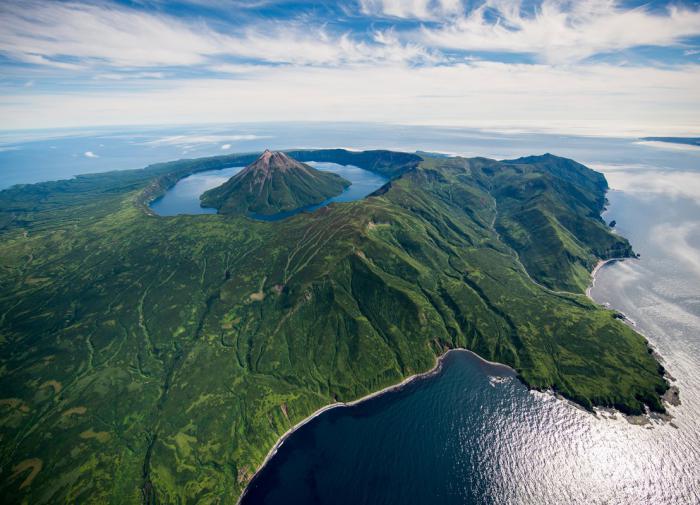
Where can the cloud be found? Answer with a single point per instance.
(43, 32)
(159, 66)
(129, 75)
(562, 31)
(674, 184)
(237, 68)
(407, 9)
(676, 239)
(669, 146)
(109, 36)
(225, 147)
(203, 139)
(478, 94)
(90, 154)
(75, 36)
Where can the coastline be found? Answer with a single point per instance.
(671, 396)
(596, 269)
(433, 371)
(429, 373)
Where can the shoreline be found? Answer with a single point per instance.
(625, 318)
(597, 268)
(429, 373)
(437, 368)
(668, 398)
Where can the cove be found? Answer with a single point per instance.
(183, 197)
(404, 446)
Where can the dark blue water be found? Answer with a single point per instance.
(183, 197)
(399, 447)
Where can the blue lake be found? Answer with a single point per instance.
(183, 197)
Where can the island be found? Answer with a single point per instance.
(274, 183)
(150, 359)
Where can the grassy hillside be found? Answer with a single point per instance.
(147, 358)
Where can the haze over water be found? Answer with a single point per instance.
(472, 434)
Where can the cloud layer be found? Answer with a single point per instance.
(561, 32)
(552, 63)
(479, 94)
(74, 36)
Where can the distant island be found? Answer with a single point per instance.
(150, 359)
(691, 141)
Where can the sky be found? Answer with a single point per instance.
(588, 66)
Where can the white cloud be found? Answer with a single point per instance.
(47, 33)
(669, 146)
(624, 167)
(225, 147)
(306, 72)
(113, 76)
(90, 154)
(203, 139)
(563, 31)
(671, 183)
(415, 9)
(43, 31)
(676, 240)
(236, 68)
(604, 98)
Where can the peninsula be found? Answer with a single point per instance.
(163, 357)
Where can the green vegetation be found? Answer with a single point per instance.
(272, 184)
(148, 358)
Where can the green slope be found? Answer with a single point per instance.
(148, 358)
(272, 184)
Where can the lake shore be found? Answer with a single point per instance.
(497, 368)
